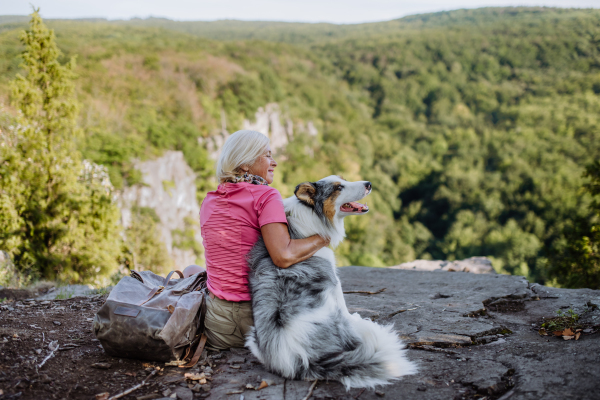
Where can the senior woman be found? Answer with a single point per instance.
(232, 218)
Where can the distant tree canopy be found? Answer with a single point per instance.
(475, 126)
(576, 259)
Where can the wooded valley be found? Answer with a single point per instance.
(476, 127)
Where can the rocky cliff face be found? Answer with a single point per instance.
(169, 188)
(268, 121)
(476, 265)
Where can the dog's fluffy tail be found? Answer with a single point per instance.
(369, 356)
(379, 358)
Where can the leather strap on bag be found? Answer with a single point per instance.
(168, 278)
(197, 353)
(159, 289)
(203, 338)
(136, 275)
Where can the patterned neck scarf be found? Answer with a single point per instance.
(249, 178)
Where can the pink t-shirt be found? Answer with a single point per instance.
(230, 220)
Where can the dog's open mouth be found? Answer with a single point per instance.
(354, 207)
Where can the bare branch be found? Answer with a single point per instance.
(312, 387)
(136, 387)
(53, 346)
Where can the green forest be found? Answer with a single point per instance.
(480, 129)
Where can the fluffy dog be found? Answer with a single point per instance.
(302, 328)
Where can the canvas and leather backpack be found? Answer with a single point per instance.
(149, 317)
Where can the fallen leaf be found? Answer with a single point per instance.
(194, 376)
(174, 363)
(543, 332)
(131, 374)
(263, 385)
(557, 333)
(102, 396)
(568, 332)
(577, 335)
(171, 308)
(568, 337)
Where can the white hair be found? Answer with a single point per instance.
(241, 149)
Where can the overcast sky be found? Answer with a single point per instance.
(336, 11)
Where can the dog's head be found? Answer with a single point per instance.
(333, 197)
(323, 205)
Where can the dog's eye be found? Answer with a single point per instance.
(339, 187)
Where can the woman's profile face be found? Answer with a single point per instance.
(264, 166)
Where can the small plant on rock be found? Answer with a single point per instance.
(64, 294)
(561, 321)
(565, 324)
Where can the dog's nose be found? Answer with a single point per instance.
(368, 185)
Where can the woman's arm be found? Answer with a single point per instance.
(285, 251)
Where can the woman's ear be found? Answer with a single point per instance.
(305, 192)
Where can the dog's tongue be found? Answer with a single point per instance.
(354, 206)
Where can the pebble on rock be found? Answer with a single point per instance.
(197, 388)
(184, 393)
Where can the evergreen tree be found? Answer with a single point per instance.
(59, 220)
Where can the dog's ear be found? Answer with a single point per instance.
(305, 192)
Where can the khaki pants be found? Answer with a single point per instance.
(227, 322)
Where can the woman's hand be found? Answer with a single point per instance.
(285, 251)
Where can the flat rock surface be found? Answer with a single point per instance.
(67, 292)
(474, 336)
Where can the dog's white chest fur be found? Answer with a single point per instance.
(327, 254)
